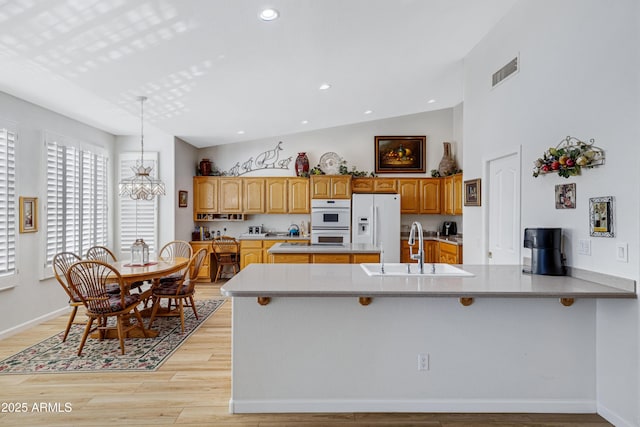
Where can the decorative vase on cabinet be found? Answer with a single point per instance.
(302, 164)
(447, 164)
(205, 167)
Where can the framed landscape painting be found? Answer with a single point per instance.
(400, 154)
(601, 216)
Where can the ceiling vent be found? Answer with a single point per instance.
(504, 72)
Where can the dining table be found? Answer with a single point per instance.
(152, 271)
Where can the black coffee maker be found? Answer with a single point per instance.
(449, 228)
(546, 251)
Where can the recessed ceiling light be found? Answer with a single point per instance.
(304, 122)
(368, 112)
(431, 101)
(324, 86)
(269, 14)
(240, 132)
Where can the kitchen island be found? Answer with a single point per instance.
(349, 253)
(329, 338)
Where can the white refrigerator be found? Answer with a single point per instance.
(375, 219)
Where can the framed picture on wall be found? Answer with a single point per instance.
(183, 197)
(28, 214)
(472, 192)
(565, 196)
(601, 216)
(400, 154)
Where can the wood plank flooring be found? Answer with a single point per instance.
(192, 388)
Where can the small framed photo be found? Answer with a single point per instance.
(28, 214)
(601, 216)
(565, 196)
(400, 154)
(183, 197)
(472, 196)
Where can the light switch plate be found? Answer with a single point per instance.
(622, 252)
(584, 246)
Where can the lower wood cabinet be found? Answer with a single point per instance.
(204, 275)
(324, 258)
(449, 253)
(432, 252)
(250, 252)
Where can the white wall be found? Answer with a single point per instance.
(33, 299)
(578, 77)
(354, 143)
(186, 159)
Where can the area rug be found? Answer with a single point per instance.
(141, 354)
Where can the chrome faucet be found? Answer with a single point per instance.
(417, 227)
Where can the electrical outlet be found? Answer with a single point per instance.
(584, 247)
(423, 362)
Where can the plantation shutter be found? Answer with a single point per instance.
(138, 219)
(7, 202)
(77, 207)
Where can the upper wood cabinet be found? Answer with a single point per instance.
(205, 195)
(452, 195)
(331, 186)
(457, 194)
(362, 185)
(385, 185)
(276, 195)
(253, 195)
(409, 190)
(230, 195)
(298, 195)
(430, 196)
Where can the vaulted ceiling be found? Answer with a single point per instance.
(215, 73)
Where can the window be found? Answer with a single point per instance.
(7, 203)
(76, 197)
(138, 219)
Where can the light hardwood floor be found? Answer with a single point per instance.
(192, 388)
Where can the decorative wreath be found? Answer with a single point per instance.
(569, 157)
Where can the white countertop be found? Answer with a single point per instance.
(343, 280)
(273, 236)
(348, 248)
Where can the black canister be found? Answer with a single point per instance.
(546, 251)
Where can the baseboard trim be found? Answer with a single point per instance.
(245, 406)
(613, 418)
(31, 323)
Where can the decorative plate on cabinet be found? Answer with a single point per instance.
(330, 163)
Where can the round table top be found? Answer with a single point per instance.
(154, 269)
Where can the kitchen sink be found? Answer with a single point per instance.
(411, 269)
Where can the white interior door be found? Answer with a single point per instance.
(504, 210)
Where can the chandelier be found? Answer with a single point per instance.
(141, 186)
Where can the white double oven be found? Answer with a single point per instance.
(330, 221)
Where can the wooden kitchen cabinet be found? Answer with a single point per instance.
(298, 195)
(449, 253)
(230, 195)
(457, 194)
(205, 195)
(253, 195)
(430, 251)
(430, 196)
(409, 190)
(365, 258)
(331, 186)
(362, 185)
(385, 185)
(331, 259)
(290, 259)
(276, 195)
(204, 275)
(452, 195)
(250, 252)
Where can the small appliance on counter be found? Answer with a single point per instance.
(546, 251)
(254, 231)
(294, 230)
(449, 228)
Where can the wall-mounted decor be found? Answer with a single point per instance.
(601, 216)
(400, 154)
(28, 214)
(269, 159)
(569, 157)
(472, 196)
(183, 196)
(565, 196)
